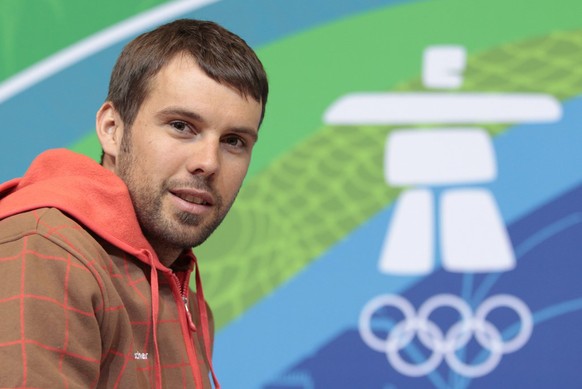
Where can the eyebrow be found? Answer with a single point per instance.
(195, 117)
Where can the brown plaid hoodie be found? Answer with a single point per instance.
(84, 301)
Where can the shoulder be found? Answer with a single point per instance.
(48, 243)
(42, 220)
(47, 249)
(51, 226)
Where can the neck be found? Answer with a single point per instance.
(166, 255)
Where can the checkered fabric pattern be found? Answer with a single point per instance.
(75, 312)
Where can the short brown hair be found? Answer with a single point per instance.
(223, 56)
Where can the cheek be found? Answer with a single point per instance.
(155, 156)
(234, 176)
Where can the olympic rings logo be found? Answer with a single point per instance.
(445, 346)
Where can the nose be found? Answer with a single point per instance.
(204, 156)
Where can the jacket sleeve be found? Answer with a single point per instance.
(50, 307)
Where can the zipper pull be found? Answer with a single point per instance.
(188, 315)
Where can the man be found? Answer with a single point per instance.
(96, 259)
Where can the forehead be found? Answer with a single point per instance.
(184, 65)
(182, 82)
(182, 70)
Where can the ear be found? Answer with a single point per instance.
(109, 127)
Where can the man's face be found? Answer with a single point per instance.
(186, 155)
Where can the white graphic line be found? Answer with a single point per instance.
(416, 108)
(95, 43)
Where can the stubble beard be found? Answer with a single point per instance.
(182, 230)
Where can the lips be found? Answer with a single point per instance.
(193, 199)
(193, 196)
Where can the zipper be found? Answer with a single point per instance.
(190, 347)
(183, 293)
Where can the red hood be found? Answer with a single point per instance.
(80, 187)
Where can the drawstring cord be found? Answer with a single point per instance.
(204, 321)
(155, 313)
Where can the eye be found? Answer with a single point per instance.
(180, 126)
(234, 141)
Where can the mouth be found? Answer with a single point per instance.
(193, 197)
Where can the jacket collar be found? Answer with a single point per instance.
(86, 191)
